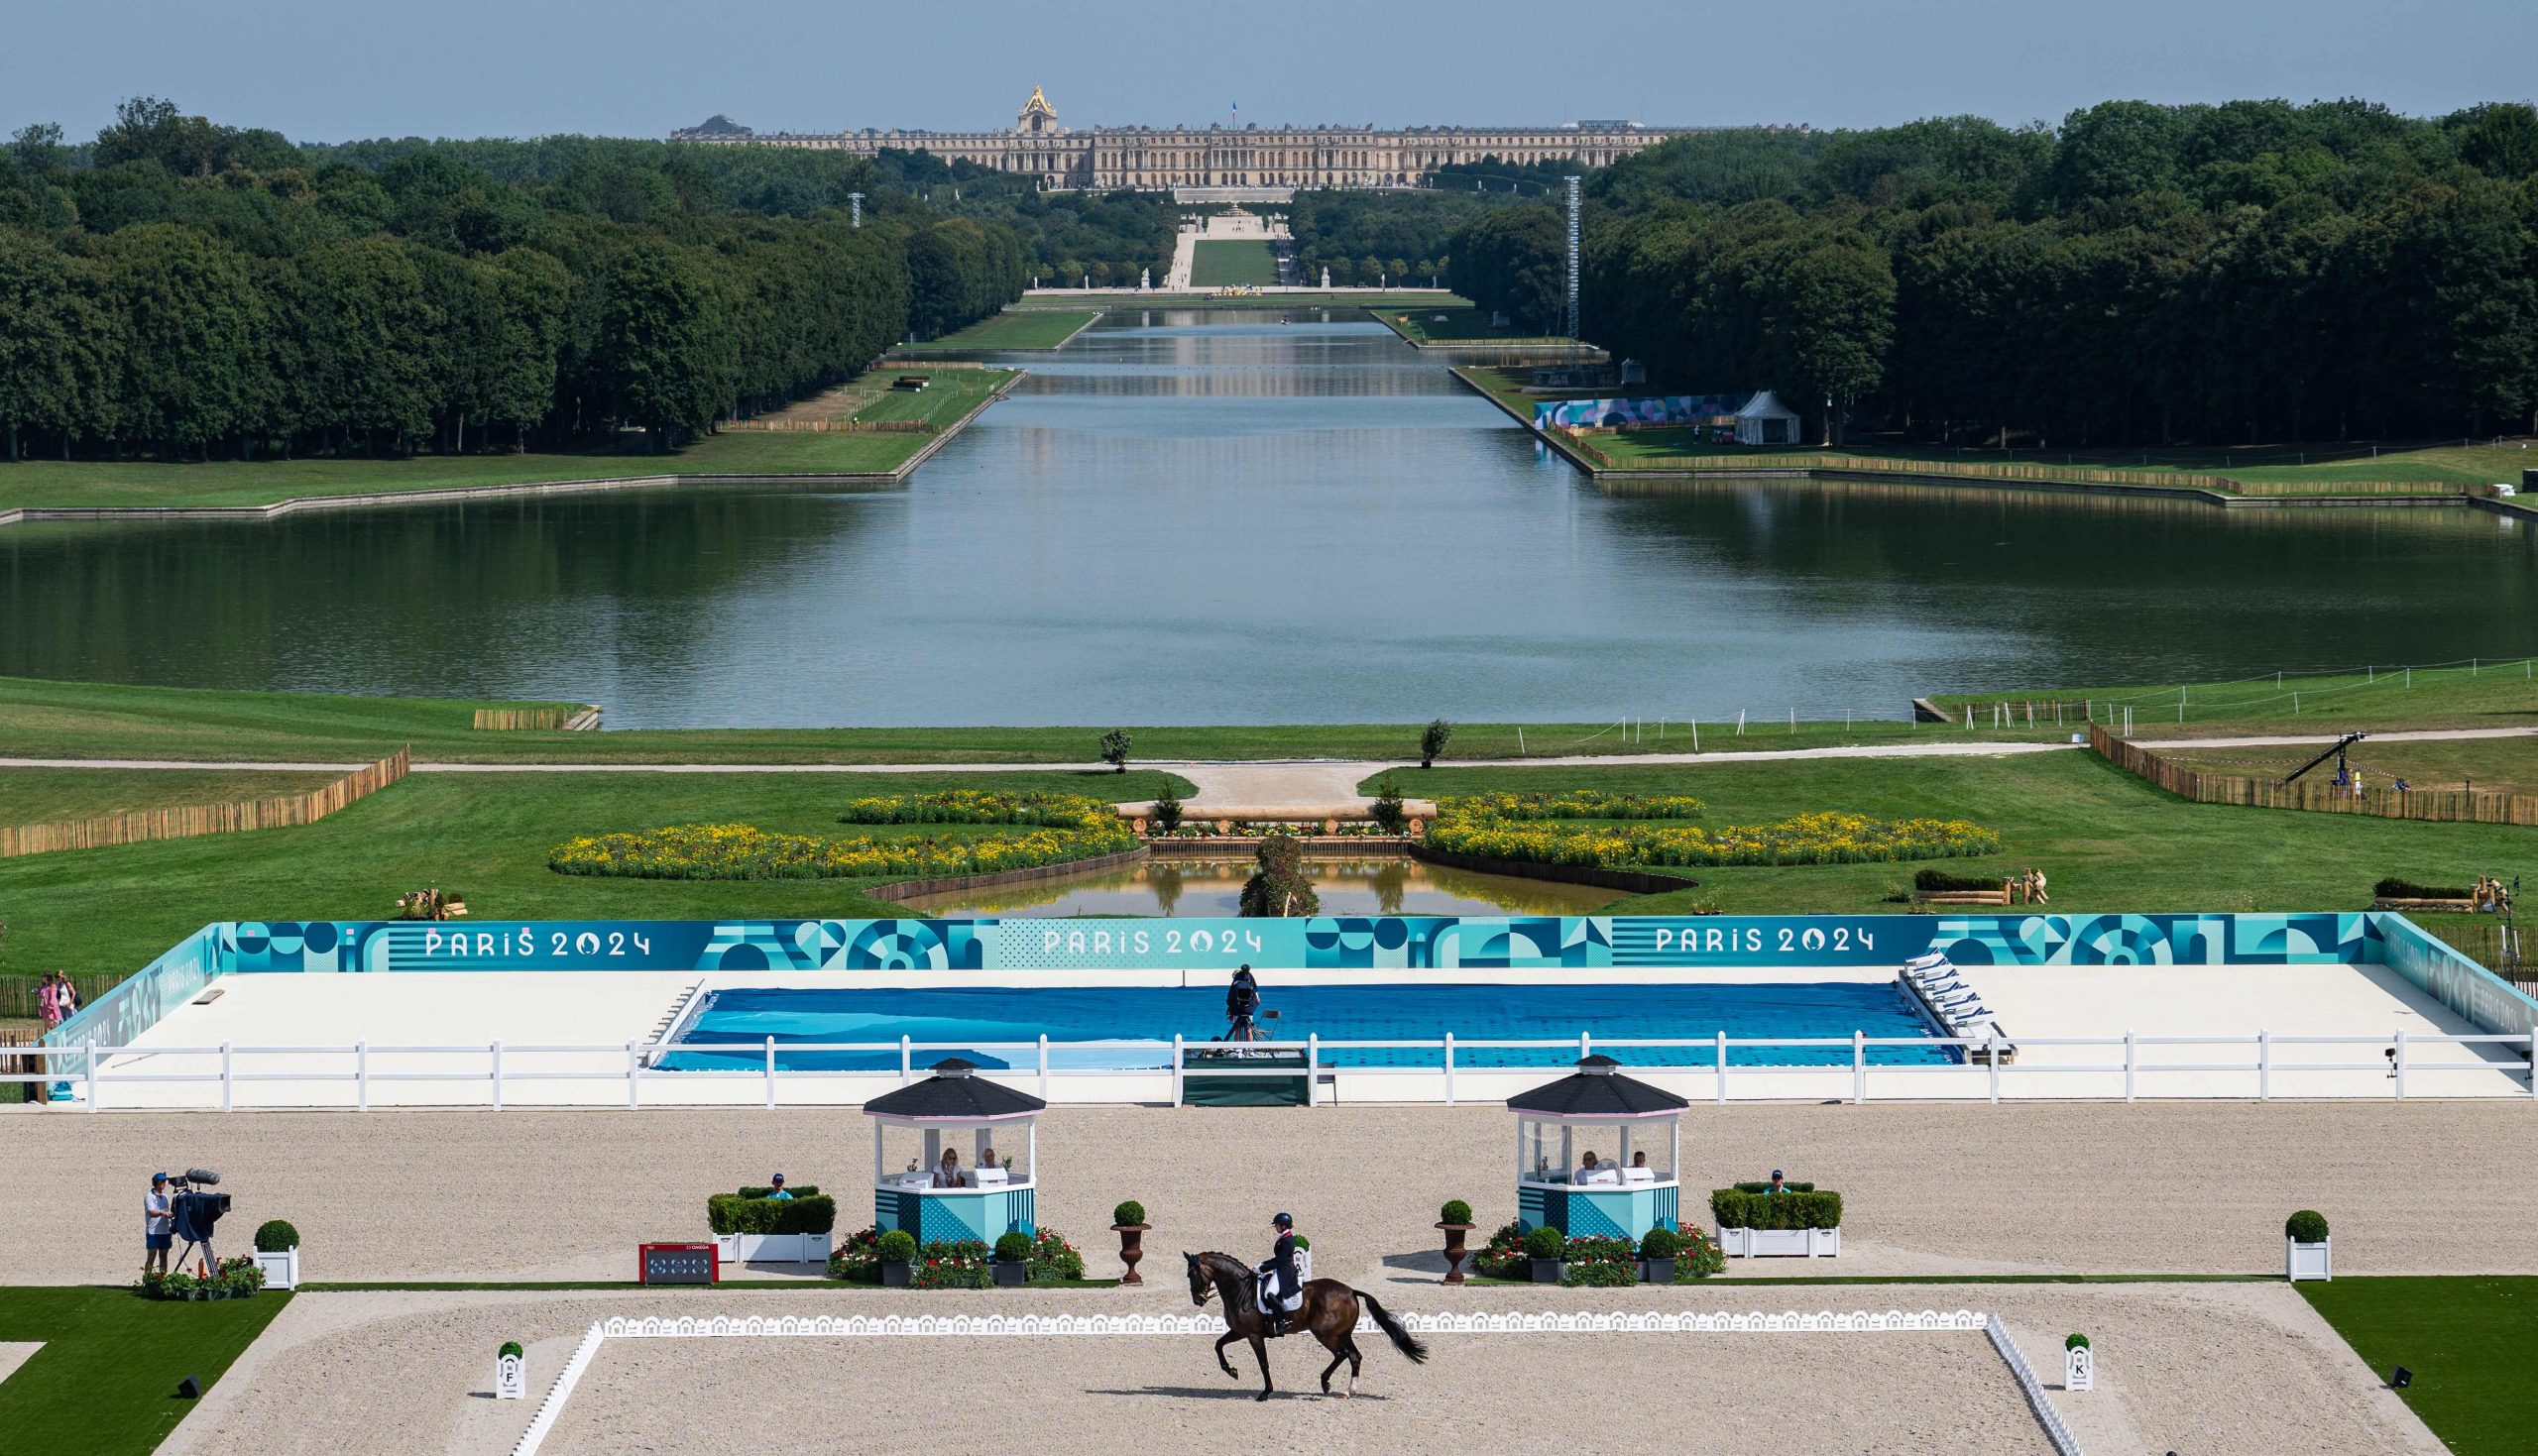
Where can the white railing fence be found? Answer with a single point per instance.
(1980, 1068)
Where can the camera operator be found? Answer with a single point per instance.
(1242, 1003)
(157, 1225)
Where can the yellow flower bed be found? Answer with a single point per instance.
(1574, 806)
(979, 806)
(1809, 838)
(739, 851)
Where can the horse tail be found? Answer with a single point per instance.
(1402, 1339)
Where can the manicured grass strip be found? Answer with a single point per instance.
(45, 795)
(105, 1381)
(99, 483)
(1436, 324)
(1227, 263)
(44, 717)
(630, 1287)
(1369, 298)
(2497, 693)
(487, 837)
(2466, 1338)
(1038, 328)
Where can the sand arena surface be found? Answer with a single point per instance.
(2219, 1370)
(1929, 1190)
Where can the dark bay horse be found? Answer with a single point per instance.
(1330, 1310)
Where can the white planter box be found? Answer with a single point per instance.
(772, 1248)
(2309, 1260)
(282, 1271)
(511, 1378)
(1787, 1243)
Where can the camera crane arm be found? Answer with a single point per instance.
(2336, 753)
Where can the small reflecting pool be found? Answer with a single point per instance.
(1374, 886)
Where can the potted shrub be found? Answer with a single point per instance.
(1547, 1255)
(898, 1252)
(1128, 1222)
(2079, 1366)
(750, 1227)
(1657, 1250)
(1800, 1221)
(2307, 1251)
(1012, 1266)
(277, 1253)
(510, 1374)
(1455, 1219)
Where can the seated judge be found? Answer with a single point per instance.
(1589, 1171)
(947, 1174)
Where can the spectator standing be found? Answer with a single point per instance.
(157, 1225)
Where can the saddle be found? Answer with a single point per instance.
(1263, 1280)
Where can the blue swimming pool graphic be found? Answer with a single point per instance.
(731, 1027)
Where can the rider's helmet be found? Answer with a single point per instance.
(1284, 1220)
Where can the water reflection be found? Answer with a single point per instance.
(1210, 887)
(1201, 518)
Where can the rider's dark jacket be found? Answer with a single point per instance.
(1282, 1267)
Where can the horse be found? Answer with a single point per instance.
(1329, 1309)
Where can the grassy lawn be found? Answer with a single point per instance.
(42, 795)
(2107, 840)
(2496, 765)
(105, 1381)
(2500, 694)
(40, 717)
(2466, 1338)
(1039, 328)
(733, 452)
(1454, 325)
(1221, 265)
(1369, 298)
(486, 836)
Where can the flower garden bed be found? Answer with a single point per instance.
(961, 1264)
(1596, 1260)
(1626, 832)
(234, 1278)
(1068, 828)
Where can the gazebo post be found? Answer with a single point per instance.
(1032, 1136)
(1625, 1153)
(1675, 1160)
(881, 1164)
(1568, 1147)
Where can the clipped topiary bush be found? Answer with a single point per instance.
(2075, 1342)
(2395, 888)
(736, 1213)
(1757, 1185)
(1546, 1242)
(2308, 1226)
(1661, 1243)
(1940, 883)
(899, 1246)
(1808, 1208)
(276, 1235)
(510, 1347)
(1455, 1212)
(1129, 1212)
(1014, 1247)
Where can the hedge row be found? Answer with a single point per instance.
(805, 1213)
(1738, 1208)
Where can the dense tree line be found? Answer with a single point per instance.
(2175, 273)
(188, 290)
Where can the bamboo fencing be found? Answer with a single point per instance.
(2459, 806)
(190, 820)
(2040, 473)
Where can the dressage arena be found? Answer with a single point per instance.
(2222, 1370)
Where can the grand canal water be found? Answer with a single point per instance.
(1213, 519)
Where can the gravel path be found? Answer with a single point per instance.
(2217, 1370)
(1929, 1189)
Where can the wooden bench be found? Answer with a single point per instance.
(1961, 897)
(910, 381)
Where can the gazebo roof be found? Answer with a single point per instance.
(1596, 1090)
(952, 1095)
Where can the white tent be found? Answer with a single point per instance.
(1765, 420)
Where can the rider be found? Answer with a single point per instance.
(1243, 999)
(1279, 1275)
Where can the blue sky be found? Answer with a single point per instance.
(639, 68)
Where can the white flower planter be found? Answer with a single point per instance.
(511, 1378)
(2309, 1260)
(2079, 1369)
(282, 1271)
(772, 1248)
(1779, 1243)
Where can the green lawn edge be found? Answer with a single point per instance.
(105, 1381)
(2466, 1337)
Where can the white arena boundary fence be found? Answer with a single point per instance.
(983, 1326)
(363, 1076)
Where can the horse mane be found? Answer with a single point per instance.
(1218, 1262)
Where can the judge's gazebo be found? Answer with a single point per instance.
(990, 1200)
(1627, 1192)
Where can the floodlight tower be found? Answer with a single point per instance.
(856, 200)
(1573, 266)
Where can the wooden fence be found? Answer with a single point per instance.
(18, 991)
(2460, 806)
(522, 719)
(836, 426)
(188, 821)
(1977, 470)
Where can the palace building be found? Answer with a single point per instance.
(1219, 156)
